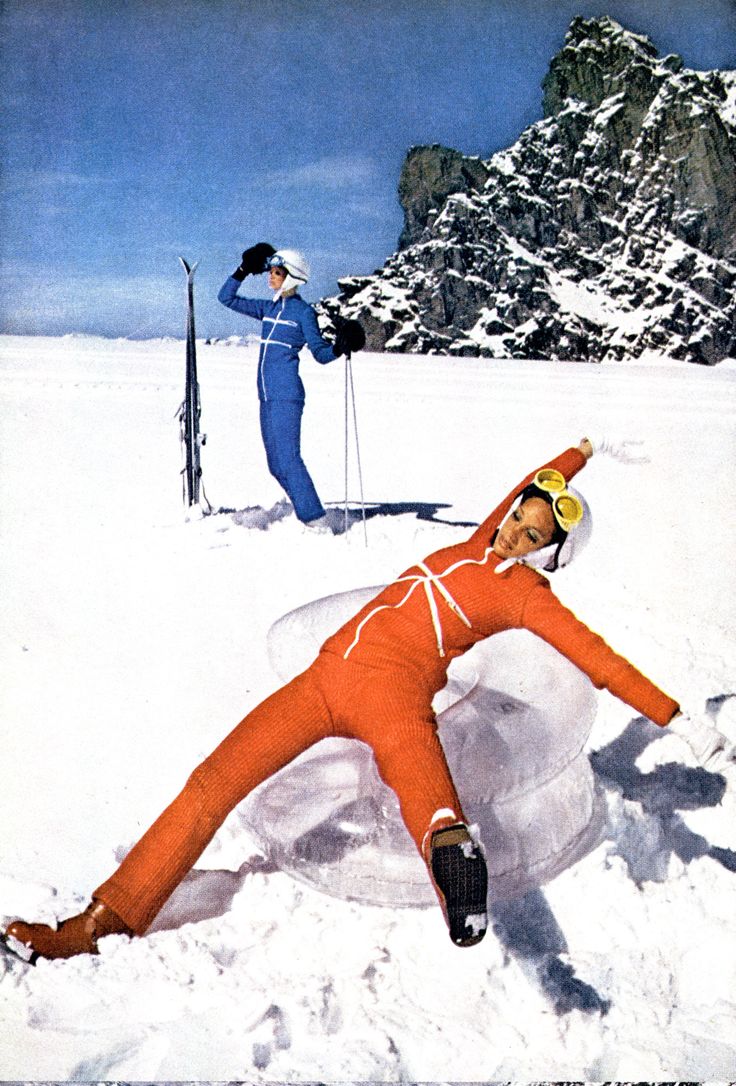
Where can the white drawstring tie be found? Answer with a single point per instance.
(428, 581)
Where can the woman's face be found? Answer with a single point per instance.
(530, 526)
(276, 277)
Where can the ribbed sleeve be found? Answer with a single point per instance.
(546, 617)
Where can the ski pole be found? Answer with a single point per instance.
(350, 389)
(345, 445)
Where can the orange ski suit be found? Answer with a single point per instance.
(374, 680)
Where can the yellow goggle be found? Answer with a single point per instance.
(567, 509)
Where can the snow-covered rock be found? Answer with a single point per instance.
(607, 231)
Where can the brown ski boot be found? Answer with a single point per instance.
(77, 935)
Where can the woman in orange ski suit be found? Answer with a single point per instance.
(374, 680)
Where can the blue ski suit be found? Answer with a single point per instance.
(287, 325)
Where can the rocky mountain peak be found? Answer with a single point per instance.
(608, 230)
(600, 59)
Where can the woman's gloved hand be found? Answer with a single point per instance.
(626, 451)
(254, 260)
(710, 748)
(350, 337)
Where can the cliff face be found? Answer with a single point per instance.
(608, 230)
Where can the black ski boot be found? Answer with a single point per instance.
(460, 877)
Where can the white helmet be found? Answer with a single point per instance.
(296, 266)
(574, 543)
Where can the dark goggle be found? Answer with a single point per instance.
(277, 261)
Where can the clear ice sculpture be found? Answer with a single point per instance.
(513, 720)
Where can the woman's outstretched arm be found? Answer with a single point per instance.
(249, 307)
(549, 619)
(569, 463)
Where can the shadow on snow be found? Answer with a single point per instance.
(422, 510)
(662, 793)
(256, 516)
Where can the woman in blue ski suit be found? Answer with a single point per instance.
(288, 323)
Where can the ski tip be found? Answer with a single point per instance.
(188, 268)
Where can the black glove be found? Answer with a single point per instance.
(254, 260)
(350, 337)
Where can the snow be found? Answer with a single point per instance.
(134, 638)
(504, 162)
(608, 109)
(583, 299)
(728, 110)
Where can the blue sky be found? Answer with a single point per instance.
(136, 130)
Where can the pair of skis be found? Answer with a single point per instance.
(189, 413)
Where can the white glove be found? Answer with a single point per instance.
(624, 451)
(710, 748)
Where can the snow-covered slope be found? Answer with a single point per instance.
(134, 638)
(607, 231)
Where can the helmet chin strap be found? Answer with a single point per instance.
(289, 284)
(541, 558)
(536, 559)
